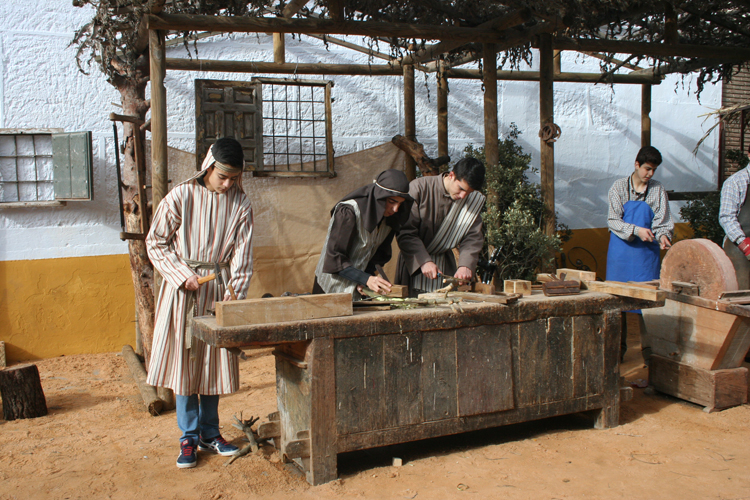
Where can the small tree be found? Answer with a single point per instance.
(515, 222)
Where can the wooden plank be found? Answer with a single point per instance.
(322, 466)
(439, 375)
(610, 327)
(533, 363)
(560, 345)
(697, 336)
(685, 288)
(281, 309)
(575, 274)
(484, 369)
(517, 286)
(714, 389)
(624, 290)
(360, 384)
(588, 360)
(403, 373)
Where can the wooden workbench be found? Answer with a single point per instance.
(385, 377)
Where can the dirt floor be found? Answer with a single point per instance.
(99, 442)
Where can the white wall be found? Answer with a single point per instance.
(40, 86)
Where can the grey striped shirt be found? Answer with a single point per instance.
(655, 196)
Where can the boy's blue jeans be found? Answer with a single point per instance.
(198, 416)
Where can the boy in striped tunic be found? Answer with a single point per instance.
(445, 215)
(202, 222)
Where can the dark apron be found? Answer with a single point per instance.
(739, 261)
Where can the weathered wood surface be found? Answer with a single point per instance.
(626, 290)
(695, 331)
(153, 404)
(277, 309)
(22, 393)
(714, 389)
(529, 308)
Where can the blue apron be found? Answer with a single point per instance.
(635, 260)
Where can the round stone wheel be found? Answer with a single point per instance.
(698, 261)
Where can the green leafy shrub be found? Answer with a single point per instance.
(514, 222)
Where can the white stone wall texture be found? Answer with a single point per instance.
(41, 87)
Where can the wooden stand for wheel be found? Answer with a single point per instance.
(22, 392)
(714, 389)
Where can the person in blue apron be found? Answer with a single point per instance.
(640, 225)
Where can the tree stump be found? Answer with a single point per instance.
(22, 392)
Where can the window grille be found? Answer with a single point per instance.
(26, 170)
(296, 127)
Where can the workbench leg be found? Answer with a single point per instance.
(323, 432)
(609, 415)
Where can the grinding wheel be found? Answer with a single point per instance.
(698, 261)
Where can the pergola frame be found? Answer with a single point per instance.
(492, 37)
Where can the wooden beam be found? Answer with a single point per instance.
(645, 115)
(546, 116)
(442, 113)
(279, 48)
(410, 121)
(500, 24)
(625, 290)
(282, 68)
(533, 76)
(189, 22)
(292, 8)
(353, 46)
(489, 65)
(283, 309)
(652, 49)
(159, 168)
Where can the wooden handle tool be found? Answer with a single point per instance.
(211, 277)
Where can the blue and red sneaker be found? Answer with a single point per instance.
(217, 445)
(188, 457)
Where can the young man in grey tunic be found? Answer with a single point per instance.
(445, 215)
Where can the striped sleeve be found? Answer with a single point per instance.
(159, 242)
(241, 265)
(733, 194)
(617, 193)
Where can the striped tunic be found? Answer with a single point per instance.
(194, 223)
(363, 249)
(436, 226)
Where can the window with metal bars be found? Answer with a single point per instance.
(296, 127)
(39, 167)
(284, 126)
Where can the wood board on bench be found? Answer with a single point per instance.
(283, 309)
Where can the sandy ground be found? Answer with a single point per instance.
(99, 442)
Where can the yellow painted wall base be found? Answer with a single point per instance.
(66, 306)
(587, 248)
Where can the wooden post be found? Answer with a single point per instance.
(21, 389)
(489, 78)
(557, 58)
(645, 115)
(442, 110)
(159, 169)
(279, 48)
(410, 121)
(546, 115)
